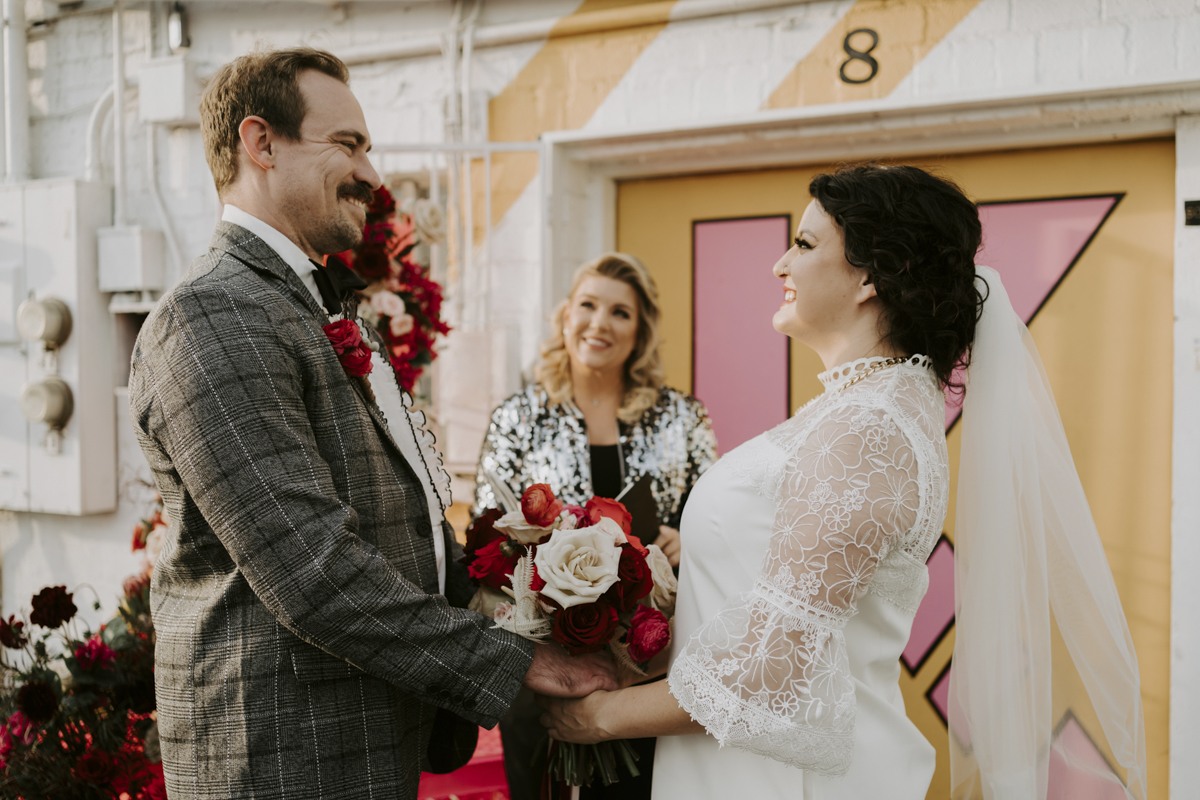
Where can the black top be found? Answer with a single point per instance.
(606, 470)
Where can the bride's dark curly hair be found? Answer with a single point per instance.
(916, 235)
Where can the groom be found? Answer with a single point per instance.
(310, 637)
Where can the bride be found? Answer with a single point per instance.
(805, 549)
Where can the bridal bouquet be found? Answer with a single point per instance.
(574, 575)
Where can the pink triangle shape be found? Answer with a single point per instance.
(1078, 770)
(1033, 244)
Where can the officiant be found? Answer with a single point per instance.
(598, 421)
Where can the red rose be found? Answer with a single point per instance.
(584, 628)
(357, 362)
(94, 654)
(139, 537)
(634, 580)
(582, 518)
(539, 505)
(599, 507)
(648, 634)
(12, 634)
(343, 335)
(52, 606)
(494, 563)
(482, 532)
(97, 768)
(136, 586)
(535, 581)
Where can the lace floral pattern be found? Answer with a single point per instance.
(860, 496)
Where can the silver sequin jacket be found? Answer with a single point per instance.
(531, 440)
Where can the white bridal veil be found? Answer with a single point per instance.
(1027, 551)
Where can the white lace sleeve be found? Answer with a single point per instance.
(769, 673)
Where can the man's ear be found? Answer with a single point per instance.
(258, 141)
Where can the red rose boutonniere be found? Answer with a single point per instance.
(351, 350)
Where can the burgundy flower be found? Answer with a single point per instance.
(582, 518)
(140, 531)
(495, 562)
(37, 701)
(52, 606)
(136, 586)
(21, 728)
(6, 746)
(94, 654)
(539, 505)
(584, 628)
(599, 507)
(634, 580)
(351, 350)
(12, 634)
(648, 634)
(482, 532)
(97, 768)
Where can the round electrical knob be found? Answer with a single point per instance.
(49, 401)
(48, 320)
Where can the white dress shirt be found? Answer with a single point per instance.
(284, 247)
(396, 412)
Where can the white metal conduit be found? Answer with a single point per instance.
(592, 22)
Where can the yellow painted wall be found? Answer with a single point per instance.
(1105, 338)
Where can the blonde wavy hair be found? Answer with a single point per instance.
(643, 369)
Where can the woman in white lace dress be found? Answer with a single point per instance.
(806, 546)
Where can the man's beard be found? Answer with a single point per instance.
(339, 233)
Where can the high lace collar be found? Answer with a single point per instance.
(839, 376)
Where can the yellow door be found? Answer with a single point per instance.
(1102, 321)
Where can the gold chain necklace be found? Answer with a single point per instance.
(871, 370)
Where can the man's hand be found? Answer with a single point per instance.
(668, 542)
(553, 673)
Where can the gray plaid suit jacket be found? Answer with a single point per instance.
(303, 648)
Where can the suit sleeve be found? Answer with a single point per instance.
(225, 392)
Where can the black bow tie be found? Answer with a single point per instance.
(336, 282)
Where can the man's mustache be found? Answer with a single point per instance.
(358, 190)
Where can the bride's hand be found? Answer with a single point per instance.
(578, 720)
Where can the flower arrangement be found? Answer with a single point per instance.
(575, 575)
(400, 301)
(77, 707)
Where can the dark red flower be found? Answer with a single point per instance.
(21, 728)
(584, 628)
(599, 507)
(97, 768)
(634, 580)
(52, 606)
(495, 562)
(540, 506)
(136, 586)
(382, 206)
(140, 532)
(94, 654)
(582, 518)
(535, 581)
(482, 532)
(351, 350)
(648, 634)
(37, 701)
(12, 633)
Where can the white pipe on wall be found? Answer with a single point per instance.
(16, 92)
(91, 160)
(118, 118)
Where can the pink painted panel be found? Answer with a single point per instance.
(1032, 244)
(1078, 770)
(937, 608)
(740, 362)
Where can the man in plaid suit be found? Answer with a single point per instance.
(311, 638)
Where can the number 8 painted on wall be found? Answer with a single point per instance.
(859, 55)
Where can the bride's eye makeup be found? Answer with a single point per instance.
(803, 245)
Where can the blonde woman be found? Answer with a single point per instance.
(597, 420)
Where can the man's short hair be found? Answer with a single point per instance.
(264, 84)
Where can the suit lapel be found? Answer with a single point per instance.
(256, 254)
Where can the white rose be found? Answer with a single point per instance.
(401, 325)
(578, 566)
(513, 523)
(154, 543)
(611, 527)
(64, 674)
(429, 221)
(665, 584)
(388, 304)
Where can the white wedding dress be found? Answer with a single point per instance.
(803, 567)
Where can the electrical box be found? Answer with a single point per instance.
(131, 259)
(169, 91)
(57, 415)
